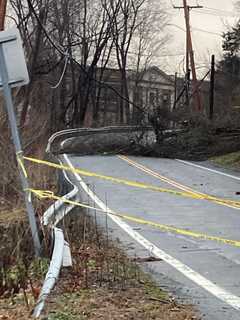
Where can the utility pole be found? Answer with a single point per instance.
(3, 7)
(190, 55)
(212, 87)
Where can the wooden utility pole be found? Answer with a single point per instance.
(212, 87)
(190, 55)
(3, 7)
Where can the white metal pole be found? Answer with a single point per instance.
(18, 149)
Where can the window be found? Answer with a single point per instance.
(153, 97)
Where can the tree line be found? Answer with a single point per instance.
(78, 37)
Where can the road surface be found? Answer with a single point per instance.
(203, 272)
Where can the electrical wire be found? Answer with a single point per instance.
(215, 13)
(63, 73)
(59, 50)
(220, 10)
(209, 32)
(159, 56)
(197, 29)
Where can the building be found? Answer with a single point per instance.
(145, 90)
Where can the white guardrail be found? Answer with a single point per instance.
(53, 271)
(66, 134)
(61, 255)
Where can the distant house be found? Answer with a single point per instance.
(151, 87)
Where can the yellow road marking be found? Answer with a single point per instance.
(188, 194)
(109, 178)
(196, 194)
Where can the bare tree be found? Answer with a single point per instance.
(149, 40)
(123, 30)
(75, 41)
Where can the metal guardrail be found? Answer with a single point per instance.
(58, 137)
(53, 271)
(58, 210)
(54, 214)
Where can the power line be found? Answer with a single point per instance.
(205, 31)
(215, 14)
(210, 11)
(220, 10)
(59, 50)
(195, 28)
(63, 73)
(156, 55)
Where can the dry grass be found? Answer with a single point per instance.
(102, 284)
(107, 304)
(230, 160)
(16, 249)
(106, 284)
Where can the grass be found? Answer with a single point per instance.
(109, 304)
(12, 215)
(230, 160)
(103, 283)
(22, 286)
(106, 284)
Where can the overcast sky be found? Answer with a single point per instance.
(207, 26)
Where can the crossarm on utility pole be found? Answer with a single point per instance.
(190, 53)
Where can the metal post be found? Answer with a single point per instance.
(212, 87)
(175, 90)
(18, 149)
(187, 85)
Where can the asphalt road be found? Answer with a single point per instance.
(203, 272)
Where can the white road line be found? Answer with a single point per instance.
(197, 278)
(208, 169)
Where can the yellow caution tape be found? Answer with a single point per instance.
(20, 157)
(112, 179)
(228, 203)
(136, 184)
(43, 194)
